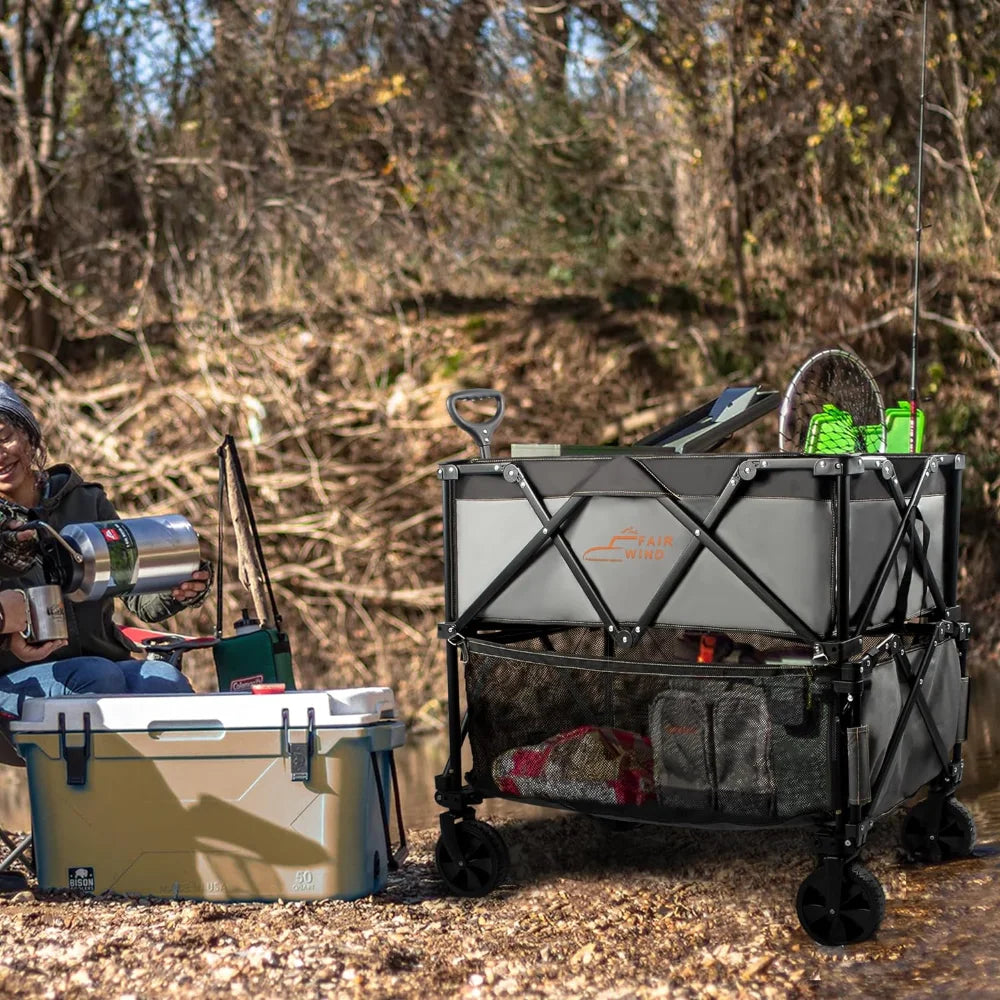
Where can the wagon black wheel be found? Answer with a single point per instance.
(854, 917)
(954, 838)
(480, 862)
(12, 882)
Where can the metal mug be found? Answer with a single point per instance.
(46, 614)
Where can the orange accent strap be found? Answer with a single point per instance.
(706, 649)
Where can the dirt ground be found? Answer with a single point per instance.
(588, 913)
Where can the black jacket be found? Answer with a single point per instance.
(68, 499)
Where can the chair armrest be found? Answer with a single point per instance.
(166, 642)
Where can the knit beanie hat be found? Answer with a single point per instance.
(14, 408)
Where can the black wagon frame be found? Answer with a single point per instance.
(887, 657)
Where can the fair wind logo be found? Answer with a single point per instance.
(628, 546)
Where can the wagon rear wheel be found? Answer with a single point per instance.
(12, 882)
(477, 860)
(954, 836)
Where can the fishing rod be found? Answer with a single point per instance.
(919, 230)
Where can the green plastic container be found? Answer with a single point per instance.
(831, 432)
(897, 429)
(257, 656)
(872, 436)
(834, 432)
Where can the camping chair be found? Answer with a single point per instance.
(169, 646)
(17, 850)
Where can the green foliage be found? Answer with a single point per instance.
(320, 155)
(728, 358)
(447, 367)
(560, 274)
(957, 422)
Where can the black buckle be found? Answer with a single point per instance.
(300, 754)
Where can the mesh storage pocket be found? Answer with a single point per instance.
(670, 741)
(682, 751)
(712, 749)
(741, 739)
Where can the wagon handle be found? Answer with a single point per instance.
(481, 433)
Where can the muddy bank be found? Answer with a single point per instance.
(590, 913)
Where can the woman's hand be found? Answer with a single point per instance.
(18, 548)
(14, 608)
(190, 589)
(30, 653)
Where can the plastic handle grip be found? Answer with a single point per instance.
(482, 433)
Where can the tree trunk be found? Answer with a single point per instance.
(551, 44)
(457, 71)
(36, 41)
(737, 199)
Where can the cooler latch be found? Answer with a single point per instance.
(299, 754)
(76, 756)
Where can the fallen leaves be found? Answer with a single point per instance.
(611, 930)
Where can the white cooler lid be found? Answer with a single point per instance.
(229, 709)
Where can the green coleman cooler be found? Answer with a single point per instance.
(253, 655)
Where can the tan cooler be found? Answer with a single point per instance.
(213, 796)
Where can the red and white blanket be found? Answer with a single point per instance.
(589, 763)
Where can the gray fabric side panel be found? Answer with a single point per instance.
(932, 509)
(916, 761)
(909, 470)
(489, 534)
(880, 708)
(704, 475)
(789, 545)
(873, 524)
(628, 545)
(963, 713)
(684, 475)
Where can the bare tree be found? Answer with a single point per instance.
(38, 39)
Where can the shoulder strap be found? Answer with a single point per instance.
(221, 550)
(230, 444)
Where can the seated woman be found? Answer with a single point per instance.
(95, 659)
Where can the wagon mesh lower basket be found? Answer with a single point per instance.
(746, 740)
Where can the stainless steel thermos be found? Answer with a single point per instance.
(139, 555)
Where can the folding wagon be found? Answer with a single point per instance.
(727, 640)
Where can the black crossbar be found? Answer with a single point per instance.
(915, 678)
(546, 535)
(907, 512)
(680, 569)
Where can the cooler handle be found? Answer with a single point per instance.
(397, 857)
(75, 756)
